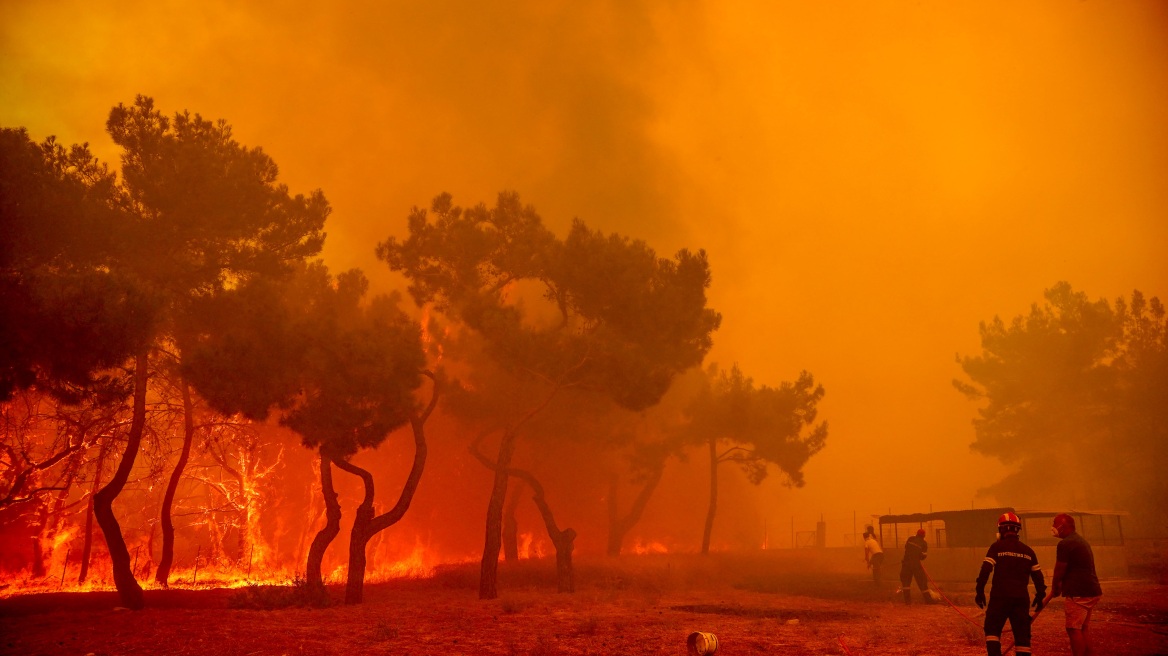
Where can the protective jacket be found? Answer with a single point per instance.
(1014, 565)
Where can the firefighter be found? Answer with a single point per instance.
(1014, 565)
(915, 550)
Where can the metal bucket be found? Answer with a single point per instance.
(702, 643)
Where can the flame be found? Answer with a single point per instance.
(642, 548)
(63, 577)
(63, 537)
(529, 547)
(414, 566)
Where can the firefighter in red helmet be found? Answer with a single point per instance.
(1014, 565)
(915, 550)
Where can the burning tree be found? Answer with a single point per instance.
(762, 426)
(68, 315)
(341, 369)
(203, 214)
(239, 473)
(622, 322)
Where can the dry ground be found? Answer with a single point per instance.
(645, 605)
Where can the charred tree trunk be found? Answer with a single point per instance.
(364, 529)
(332, 525)
(713, 510)
(162, 575)
(87, 543)
(619, 527)
(128, 588)
(510, 526)
(564, 541)
(359, 538)
(489, 569)
(565, 575)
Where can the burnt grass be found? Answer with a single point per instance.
(754, 603)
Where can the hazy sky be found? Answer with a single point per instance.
(870, 179)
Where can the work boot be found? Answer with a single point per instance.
(907, 595)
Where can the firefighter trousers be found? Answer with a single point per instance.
(1017, 611)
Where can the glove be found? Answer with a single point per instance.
(924, 556)
(980, 599)
(1039, 595)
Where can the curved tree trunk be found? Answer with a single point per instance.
(510, 526)
(162, 574)
(713, 510)
(359, 538)
(619, 527)
(489, 568)
(332, 525)
(365, 525)
(128, 588)
(87, 542)
(564, 541)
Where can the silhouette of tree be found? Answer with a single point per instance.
(205, 214)
(66, 318)
(1073, 400)
(762, 426)
(341, 368)
(621, 321)
(653, 437)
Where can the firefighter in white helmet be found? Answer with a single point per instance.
(1014, 565)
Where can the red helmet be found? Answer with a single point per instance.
(1009, 523)
(920, 532)
(1063, 524)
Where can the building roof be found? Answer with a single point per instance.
(1021, 512)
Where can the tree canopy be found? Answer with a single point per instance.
(66, 316)
(203, 215)
(625, 321)
(1073, 399)
(760, 426)
(343, 368)
(617, 320)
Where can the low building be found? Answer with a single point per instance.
(958, 539)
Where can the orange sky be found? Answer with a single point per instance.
(870, 180)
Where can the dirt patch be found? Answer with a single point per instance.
(782, 614)
(635, 607)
